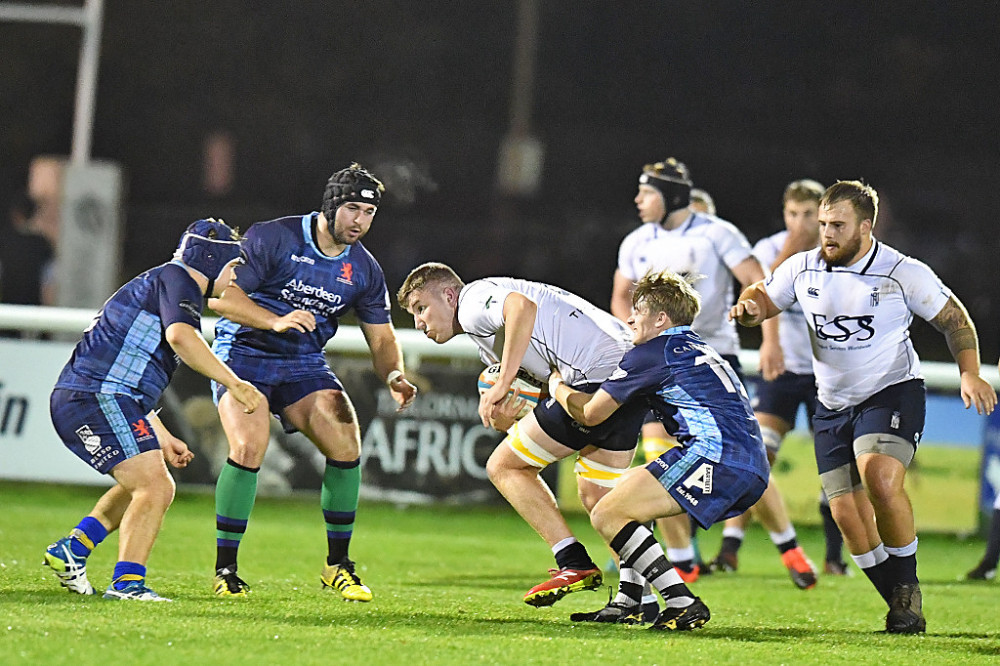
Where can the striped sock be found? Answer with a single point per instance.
(640, 550)
(339, 500)
(235, 493)
(86, 536)
(125, 573)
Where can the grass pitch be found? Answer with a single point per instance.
(448, 586)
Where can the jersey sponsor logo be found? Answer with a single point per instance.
(844, 327)
(190, 308)
(701, 478)
(302, 260)
(346, 272)
(315, 299)
(141, 430)
(813, 292)
(91, 442)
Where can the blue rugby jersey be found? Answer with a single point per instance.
(696, 395)
(285, 271)
(124, 351)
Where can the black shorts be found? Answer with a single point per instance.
(783, 396)
(620, 432)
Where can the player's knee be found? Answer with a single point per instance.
(772, 442)
(517, 452)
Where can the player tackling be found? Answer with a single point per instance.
(859, 296)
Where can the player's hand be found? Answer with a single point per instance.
(247, 395)
(504, 414)
(491, 397)
(772, 361)
(977, 391)
(176, 452)
(403, 392)
(302, 321)
(746, 313)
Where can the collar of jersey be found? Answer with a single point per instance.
(307, 234)
(674, 330)
(867, 259)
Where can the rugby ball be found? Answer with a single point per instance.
(530, 390)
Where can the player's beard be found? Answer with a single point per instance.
(844, 253)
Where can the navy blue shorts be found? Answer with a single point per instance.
(897, 410)
(783, 396)
(620, 432)
(101, 429)
(709, 491)
(283, 380)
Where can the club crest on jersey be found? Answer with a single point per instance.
(142, 431)
(346, 272)
(91, 442)
(875, 297)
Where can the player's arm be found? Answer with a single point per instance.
(387, 359)
(236, 306)
(188, 344)
(587, 409)
(753, 306)
(175, 450)
(621, 296)
(519, 320)
(954, 323)
(772, 359)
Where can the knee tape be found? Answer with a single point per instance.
(654, 447)
(598, 474)
(840, 481)
(527, 450)
(772, 439)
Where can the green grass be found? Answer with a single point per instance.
(448, 585)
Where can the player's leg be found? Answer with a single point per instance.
(834, 563)
(677, 531)
(771, 512)
(886, 433)
(987, 567)
(515, 468)
(236, 487)
(328, 419)
(145, 478)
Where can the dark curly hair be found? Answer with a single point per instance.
(351, 184)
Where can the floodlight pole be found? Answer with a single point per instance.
(89, 18)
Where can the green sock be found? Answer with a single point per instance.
(339, 500)
(235, 492)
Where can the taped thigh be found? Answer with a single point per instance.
(527, 449)
(841, 480)
(598, 473)
(886, 445)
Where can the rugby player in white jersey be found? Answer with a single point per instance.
(859, 297)
(677, 236)
(536, 327)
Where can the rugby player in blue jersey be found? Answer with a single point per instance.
(102, 405)
(718, 470)
(300, 275)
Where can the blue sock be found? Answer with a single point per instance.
(125, 573)
(92, 533)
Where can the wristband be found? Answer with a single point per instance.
(553, 385)
(393, 376)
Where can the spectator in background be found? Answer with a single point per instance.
(26, 259)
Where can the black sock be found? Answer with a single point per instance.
(574, 556)
(881, 577)
(730, 545)
(992, 555)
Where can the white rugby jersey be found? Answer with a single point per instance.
(703, 245)
(859, 318)
(793, 332)
(570, 334)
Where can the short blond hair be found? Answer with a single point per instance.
(425, 275)
(668, 292)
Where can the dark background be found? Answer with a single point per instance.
(750, 95)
